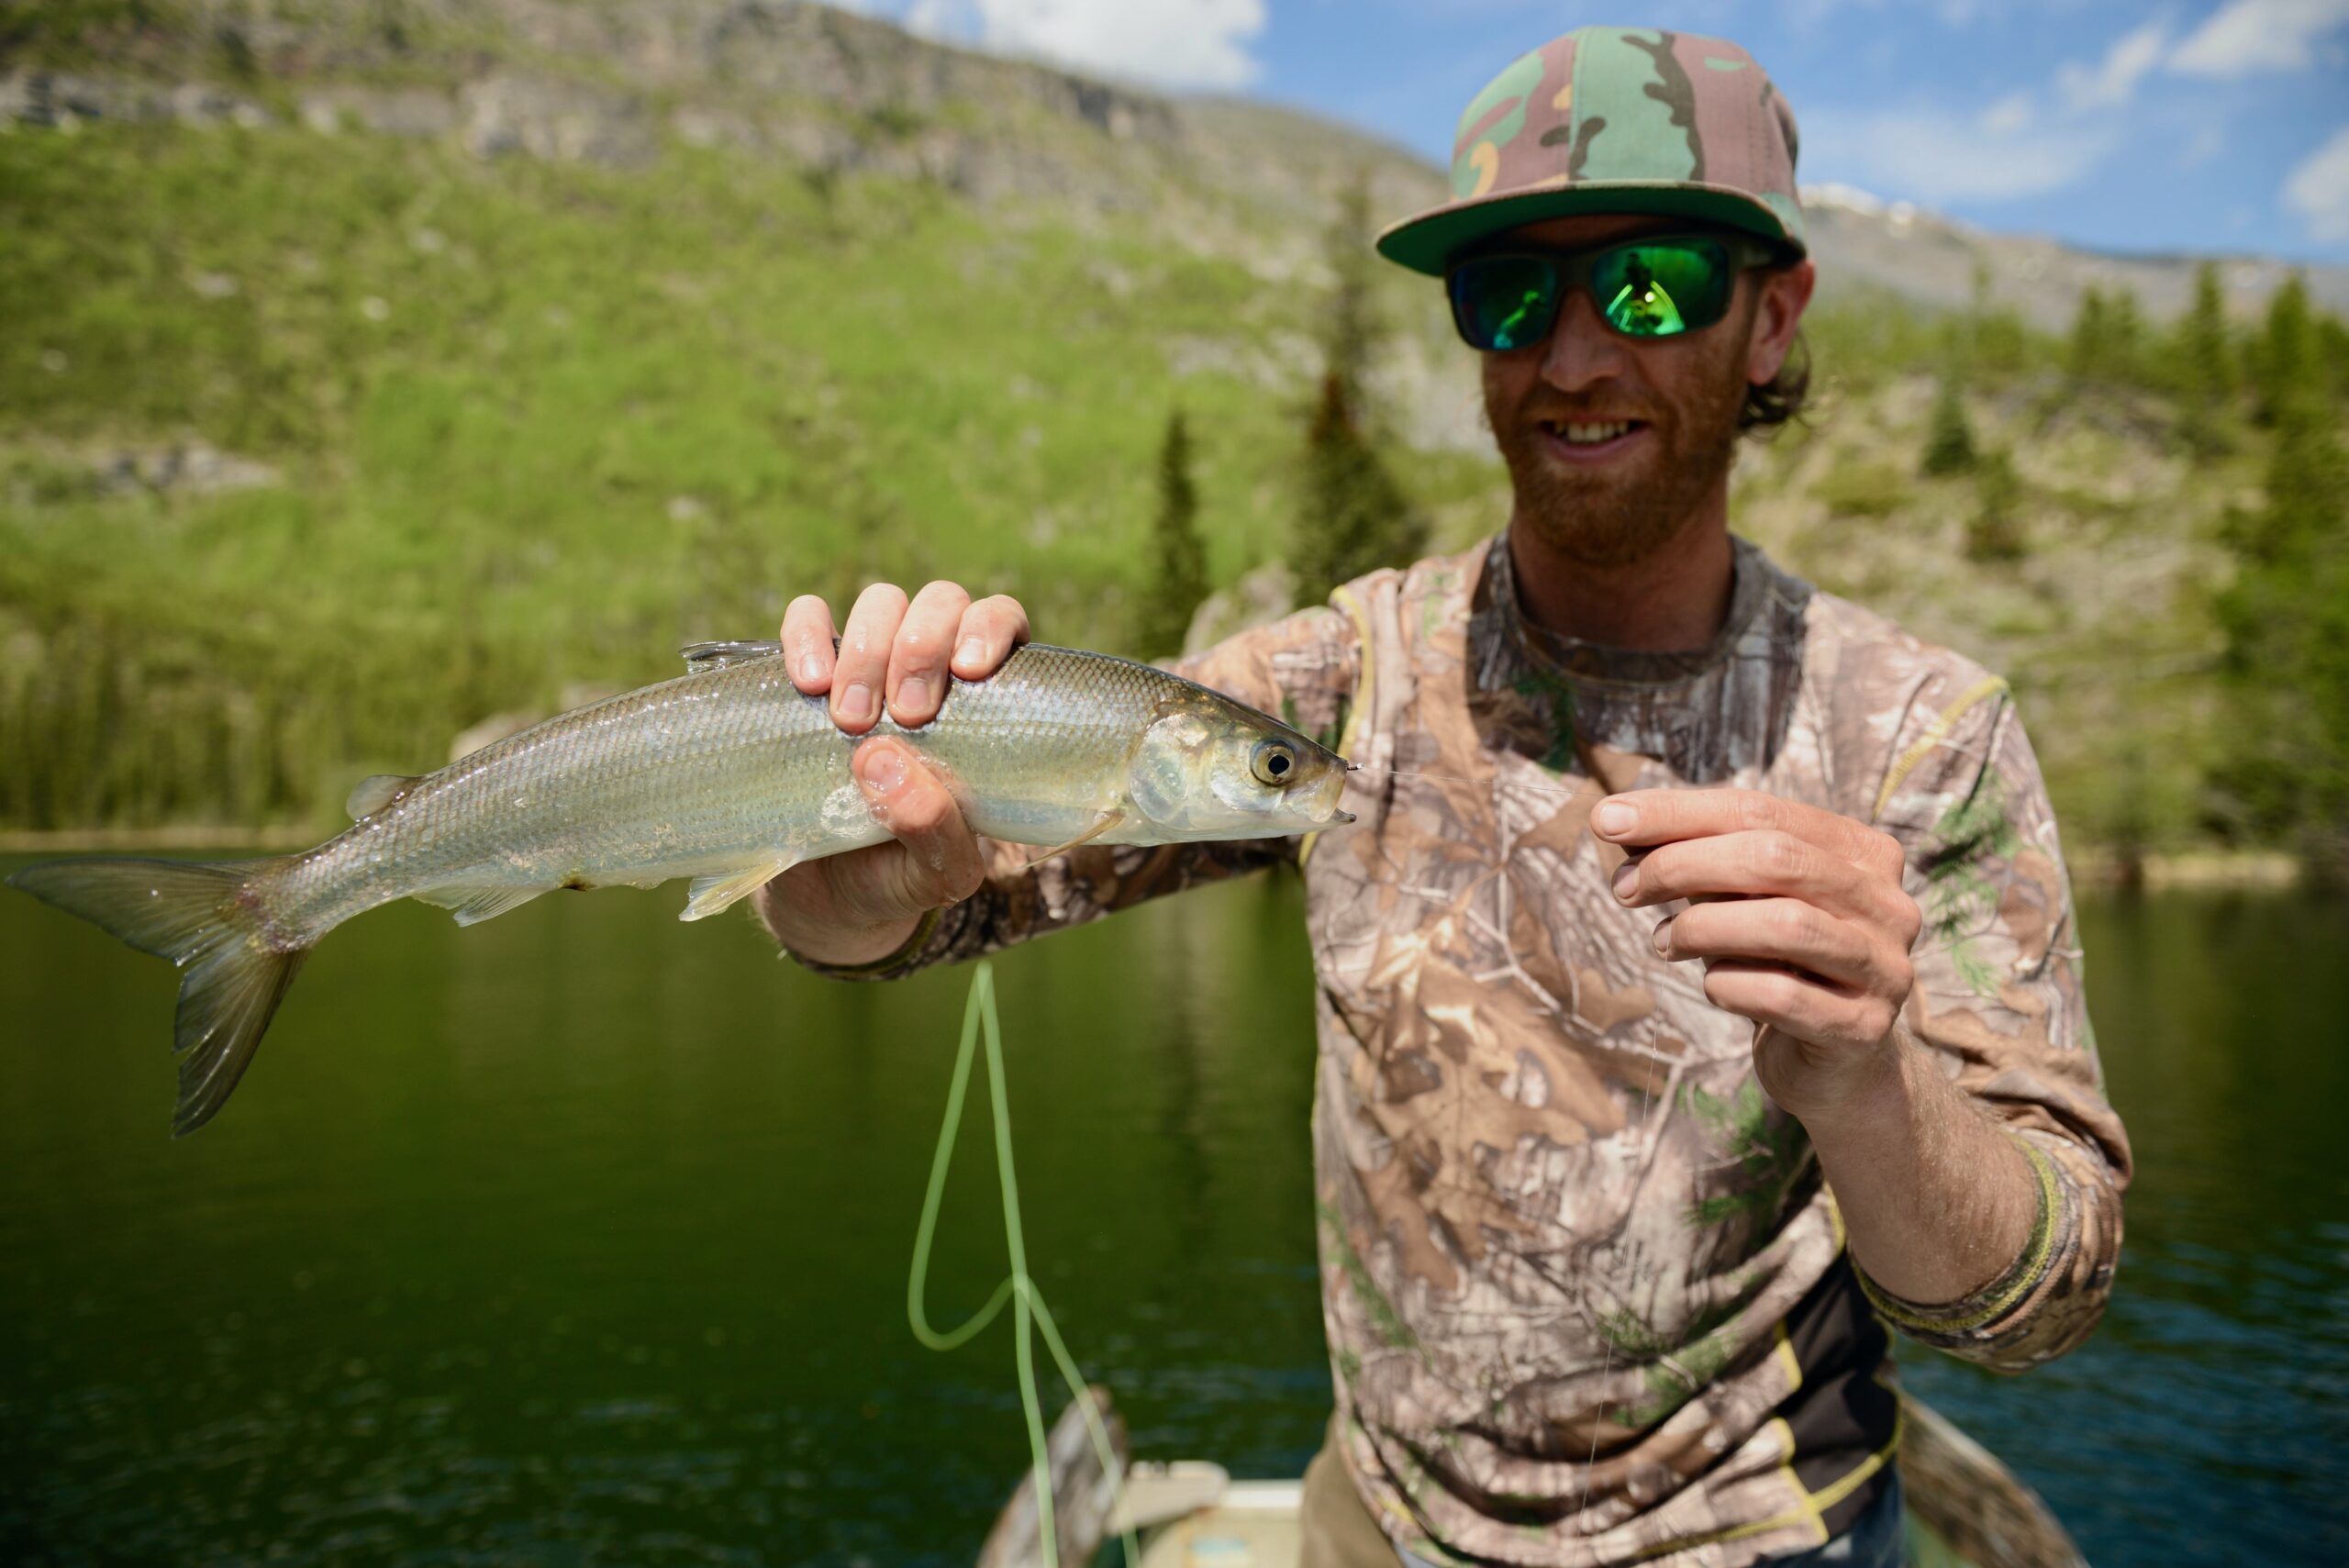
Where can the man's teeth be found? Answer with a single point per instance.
(1591, 435)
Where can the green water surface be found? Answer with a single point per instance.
(580, 1238)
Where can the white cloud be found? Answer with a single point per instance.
(2248, 36)
(2209, 140)
(2319, 188)
(2111, 83)
(1168, 43)
(1936, 157)
(2008, 115)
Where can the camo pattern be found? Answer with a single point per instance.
(1630, 105)
(1587, 1300)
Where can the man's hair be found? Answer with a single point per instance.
(1780, 399)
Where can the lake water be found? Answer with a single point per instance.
(581, 1238)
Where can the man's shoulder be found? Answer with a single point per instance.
(1430, 576)
(1911, 723)
(1865, 661)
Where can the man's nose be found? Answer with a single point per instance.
(1581, 351)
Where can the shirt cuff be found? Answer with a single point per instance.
(1960, 1324)
(907, 956)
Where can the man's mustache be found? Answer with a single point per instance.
(1550, 412)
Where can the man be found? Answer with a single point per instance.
(1634, 1098)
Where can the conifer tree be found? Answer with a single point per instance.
(1949, 440)
(2091, 332)
(1994, 533)
(2287, 351)
(2206, 361)
(1355, 517)
(2332, 351)
(1179, 561)
(2124, 335)
(2286, 617)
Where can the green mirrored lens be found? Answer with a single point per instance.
(1656, 291)
(1504, 302)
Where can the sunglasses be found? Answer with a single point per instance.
(1659, 286)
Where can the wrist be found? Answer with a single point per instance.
(901, 957)
(831, 944)
(1872, 1090)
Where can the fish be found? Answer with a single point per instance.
(728, 775)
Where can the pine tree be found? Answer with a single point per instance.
(1180, 578)
(2124, 345)
(2091, 332)
(1355, 517)
(2286, 617)
(1994, 533)
(2198, 366)
(2206, 361)
(1949, 440)
(2285, 352)
(2332, 352)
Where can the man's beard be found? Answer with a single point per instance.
(1625, 513)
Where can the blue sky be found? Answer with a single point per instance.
(2205, 125)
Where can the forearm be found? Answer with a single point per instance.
(1938, 1201)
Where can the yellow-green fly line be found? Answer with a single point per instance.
(979, 1022)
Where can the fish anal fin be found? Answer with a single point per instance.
(472, 903)
(704, 656)
(371, 795)
(1101, 825)
(714, 894)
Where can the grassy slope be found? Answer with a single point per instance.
(596, 412)
(537, 424)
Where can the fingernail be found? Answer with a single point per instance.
(1663, 935)
(913, 693)
(1626, 877)
(972, 652)
(886, 771)
(1613, 816)
(856, 703)
(811, 671)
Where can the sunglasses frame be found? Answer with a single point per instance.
(1573, 270)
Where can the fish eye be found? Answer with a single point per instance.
(1273, 762)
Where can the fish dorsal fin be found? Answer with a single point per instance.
(702, 656)
(472, 903)
(371, 795)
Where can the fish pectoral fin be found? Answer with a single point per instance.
(701, 656)
(1101, 825)
(371, 795)
(713, 895)
(472, 903)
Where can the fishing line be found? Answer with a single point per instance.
(1018, 1288)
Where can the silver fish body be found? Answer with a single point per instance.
(727, 775)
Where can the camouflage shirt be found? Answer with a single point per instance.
(1587, 1298)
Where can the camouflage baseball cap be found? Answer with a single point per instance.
(1616, 120)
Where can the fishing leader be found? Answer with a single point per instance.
(1642, 1107)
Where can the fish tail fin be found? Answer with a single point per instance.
(211, 921)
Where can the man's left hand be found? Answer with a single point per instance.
(1798, 916)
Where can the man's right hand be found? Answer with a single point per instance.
(862, 905)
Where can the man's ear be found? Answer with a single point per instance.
(1785, 292)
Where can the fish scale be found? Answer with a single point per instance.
(728, 775)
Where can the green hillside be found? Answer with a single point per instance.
(320, 444)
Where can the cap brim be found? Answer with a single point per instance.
(1426, 242)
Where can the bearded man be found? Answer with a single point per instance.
(1640, 1107)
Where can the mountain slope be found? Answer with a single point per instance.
(384, 367)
